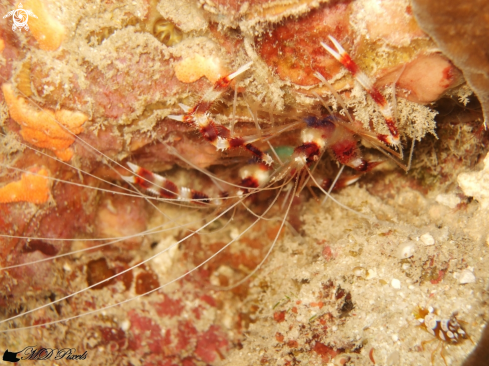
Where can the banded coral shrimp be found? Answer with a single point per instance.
(148, 276)
(46, 248)
(103, 334)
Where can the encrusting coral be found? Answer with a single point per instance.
(30, 188)
(43, 128)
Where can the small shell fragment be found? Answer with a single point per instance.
(427, 239)
(341, 360)
(406, 250)
(466, 276)
(371, 273)
(359, 271)
(449, 200)
(125, 325)
(395, 283)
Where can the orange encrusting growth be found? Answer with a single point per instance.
(193, 68)
(42, 127)
(48, 32)
(30, 188)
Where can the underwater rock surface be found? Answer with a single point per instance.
(339, 287)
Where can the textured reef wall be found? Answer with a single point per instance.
(460, 31)
(90, 87)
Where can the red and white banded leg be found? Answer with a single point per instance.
(162, 187)
(327, 183)
(253, 176)
(215, 133)
(348, 153)
(342, 56)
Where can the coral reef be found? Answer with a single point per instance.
(94, 85)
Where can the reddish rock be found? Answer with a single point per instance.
(210, 343)
(169, 307)
(279, 316)
(145, 331)
(97, 271)
(146, 282)
(327, 253)
(326, 353)
(293, 48)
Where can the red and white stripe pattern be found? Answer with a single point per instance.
(162, 187)
(348, 153)
(340, 183)
(253, 176)
(327, 133)
(342, 56)
(215, 133)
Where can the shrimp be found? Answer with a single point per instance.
(129, 230)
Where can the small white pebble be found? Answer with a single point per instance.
(449, 200)
(67, 267)
(406, 250)
(371, 273)
(395, 283)
(359, 271)
(427, 239)
(466, 276)
(234, 234)
(215, 281)
(395, 338)
(334, 328)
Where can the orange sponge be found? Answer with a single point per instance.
(48, 32)
(30, 188)
(42, 127)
